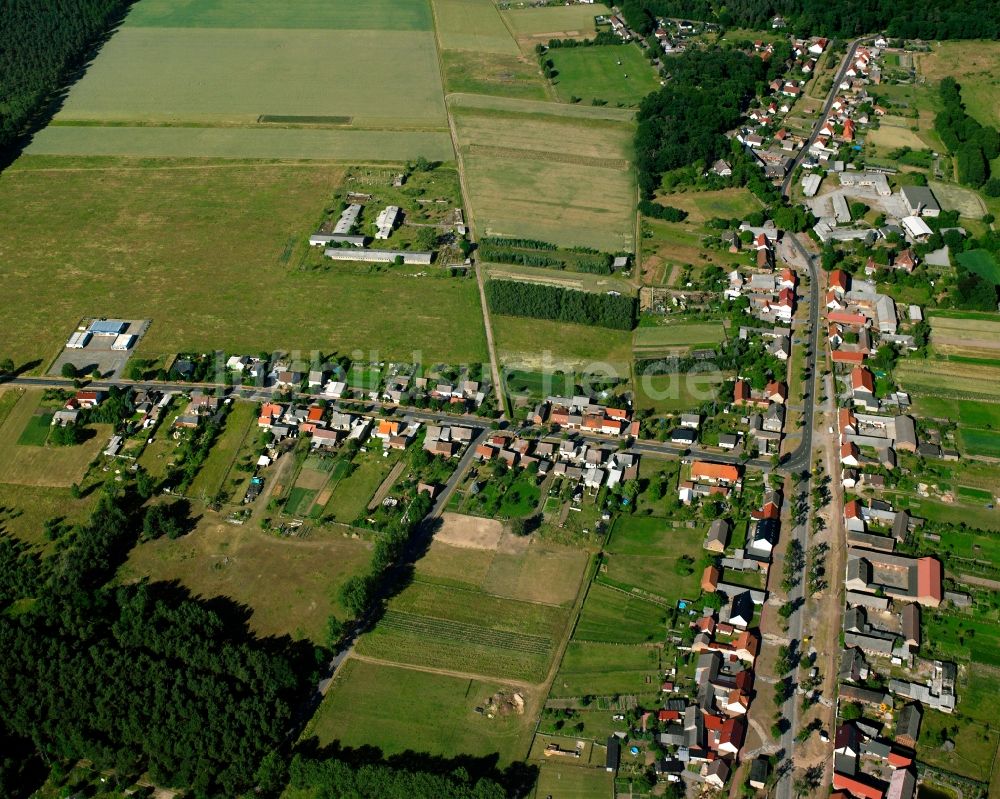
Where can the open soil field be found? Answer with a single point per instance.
(970, 335)
(290, 585)
(892, 136)
(330, 14)
(26, 460)
(617, 74)
(559, 179)
(537, 25)
(473, 25)
(673, 393)
(446, 628)
(547, 345)
(399, 709)
(469, 532)
(147, 237)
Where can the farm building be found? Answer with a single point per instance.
(380, 256)
(123, 342)
(920, 201)
(915, 227)
(810, 184)
(107, 327)
(386, 221)
(79, 340)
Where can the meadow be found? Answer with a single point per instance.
(975, 745)
(982, 263)
(606, 669)
(352, 493)
(399, 709)
(612, 616)
(617, 74)
(554, 178)
(980, 442)
(240, 422)
(573, 782)
(290, 585)
(509, 75)
(24, 458)
(673, 393)
(975, 65)
(473, 25)
(218, 76)
(329, 14)
(538, 25)
(675, 337)
(544, 344)
(24, 509)
(447, 628)
(142, 247)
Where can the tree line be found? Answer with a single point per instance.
(40, 45)
(514, 298)
(973, 144)
(907, 19)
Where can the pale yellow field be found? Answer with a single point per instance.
(532, 25)
(472, 25)
(976, 67)
(890, 136)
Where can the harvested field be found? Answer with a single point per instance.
(544, 345)
(472, 25)
(965, 335)
(534, 25)
(515, 76)
(949, 379)
(551, 156)
(511, 105)
(472, 532)
(893, 136)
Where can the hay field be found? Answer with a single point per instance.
(399, 709)
(532, 26)
(515, 76)
(289, 584)
(472, 25)
(967, 202)
(949, 379)
(970, 335)
(216, 76)
(891, 137)
(522, 180)
(545, 345)
(677, 336)
(509, 106)
(30, 465)
(618, 74)
(149, 236)
(349, 146)
(975, 65)
(332, 14)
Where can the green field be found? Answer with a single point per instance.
(504, 74)
(673, 393)
(440, 627)
(611, 616)
(151, 230)
(212, 474)
(677, 336)
(472, 25)
(618, 74)
(555, 178)
(960, 637)
(982, 263)
(541, 343)
(332, 14)
(147, 74)
(398, 709)
(975, 745)
(242, 143)
(573, 782)
(948, 379)
(351, 494)
(965, 412)
(555, 21)
(704, 205)
(36, 431)
(980, 442)
(606, 669)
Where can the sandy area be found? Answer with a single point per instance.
(471, 532)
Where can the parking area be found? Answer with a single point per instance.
(101, 345)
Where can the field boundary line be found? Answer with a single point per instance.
(464, 675)
(488, 593)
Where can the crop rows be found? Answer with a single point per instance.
(546, 155)
(446, 630)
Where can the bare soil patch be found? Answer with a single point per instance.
(471, 532)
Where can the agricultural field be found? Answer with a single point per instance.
(547, 345)
(534, 26)
(949, 379)
(503, 74)
(616, 74)
(26, 460)
(967, 202)
(555, 178)
(447, 628)
(975, 65)
(673, 393)
(329, 14)
(892, 136)
(654, 341)
(474, 25)
(399, 709)
(573, 782)
(289, 584)
(606, 669)
(613, 616)
(980, 442)
(543, 572)
(146, 243)
(982, 263)
(966, 334)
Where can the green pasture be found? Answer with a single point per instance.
(147, 75)
(399, 709)
(606, 669)
(617, 74)
(210, 477)
(352, 494)
(544, 344)
(982, 263)
(36, 431)
(960, 637)
(573, 782)
(967, 413)
(673, 393)
(611, 616)
(980, 442)
(389, 15)
(687, 335)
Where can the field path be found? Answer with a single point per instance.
(386, 485)
(465, 675)
(470, 217)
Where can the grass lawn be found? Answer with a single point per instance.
(473, 25)
(618, 74)
(150, 228)
(673, 393)
(332, 14)
(399, 709)
(684, 335)
(352, 494)
(975, 745)
(606, 669)
(26, 508)
(441, 627)
(573, 782)
(510, 75)
(147, 74)
(980, 442)
(31, 464)
(960, 637)
(239, 423)
(544, 344)
(967, 413)
(289, 584)
(982, 263)
(610, 616)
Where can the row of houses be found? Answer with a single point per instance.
(584, 414)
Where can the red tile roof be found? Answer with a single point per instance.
(714, 471)
(929, 579)
(861, 378)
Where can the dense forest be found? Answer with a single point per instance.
(683, 123)
(40, 45)
(910, 19)
(138, 677)
(539, 301)
(974, 145)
